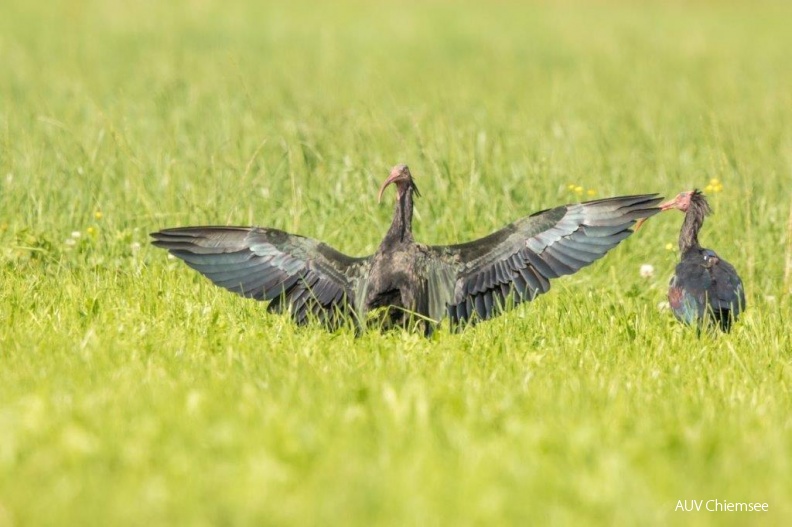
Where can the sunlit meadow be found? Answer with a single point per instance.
(133, 392)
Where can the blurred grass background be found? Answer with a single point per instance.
(133, 392)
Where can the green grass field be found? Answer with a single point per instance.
(133, 392)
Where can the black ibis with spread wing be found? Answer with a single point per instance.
(467, 282)
(705, 287)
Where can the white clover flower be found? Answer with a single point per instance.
(647, 271)
(76, 234)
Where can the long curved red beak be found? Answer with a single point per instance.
(385, 184)
(670, 204)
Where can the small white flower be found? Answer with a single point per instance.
(663, 306)
(135, 247)
(76, 234)
(70, 242)
(647, 271)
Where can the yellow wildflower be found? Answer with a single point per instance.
(714, 186)
(578, 190)
(591, 192)
(98, 214)
(669, 246)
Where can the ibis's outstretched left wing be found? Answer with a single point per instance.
(304, 275)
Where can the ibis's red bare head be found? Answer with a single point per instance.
(684, 200)
(401, 177)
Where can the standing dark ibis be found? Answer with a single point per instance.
(705, 288)
(466, 282)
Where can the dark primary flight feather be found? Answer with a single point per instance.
(466, 282)
(705, 288)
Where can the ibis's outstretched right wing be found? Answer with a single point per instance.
(474, 279)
